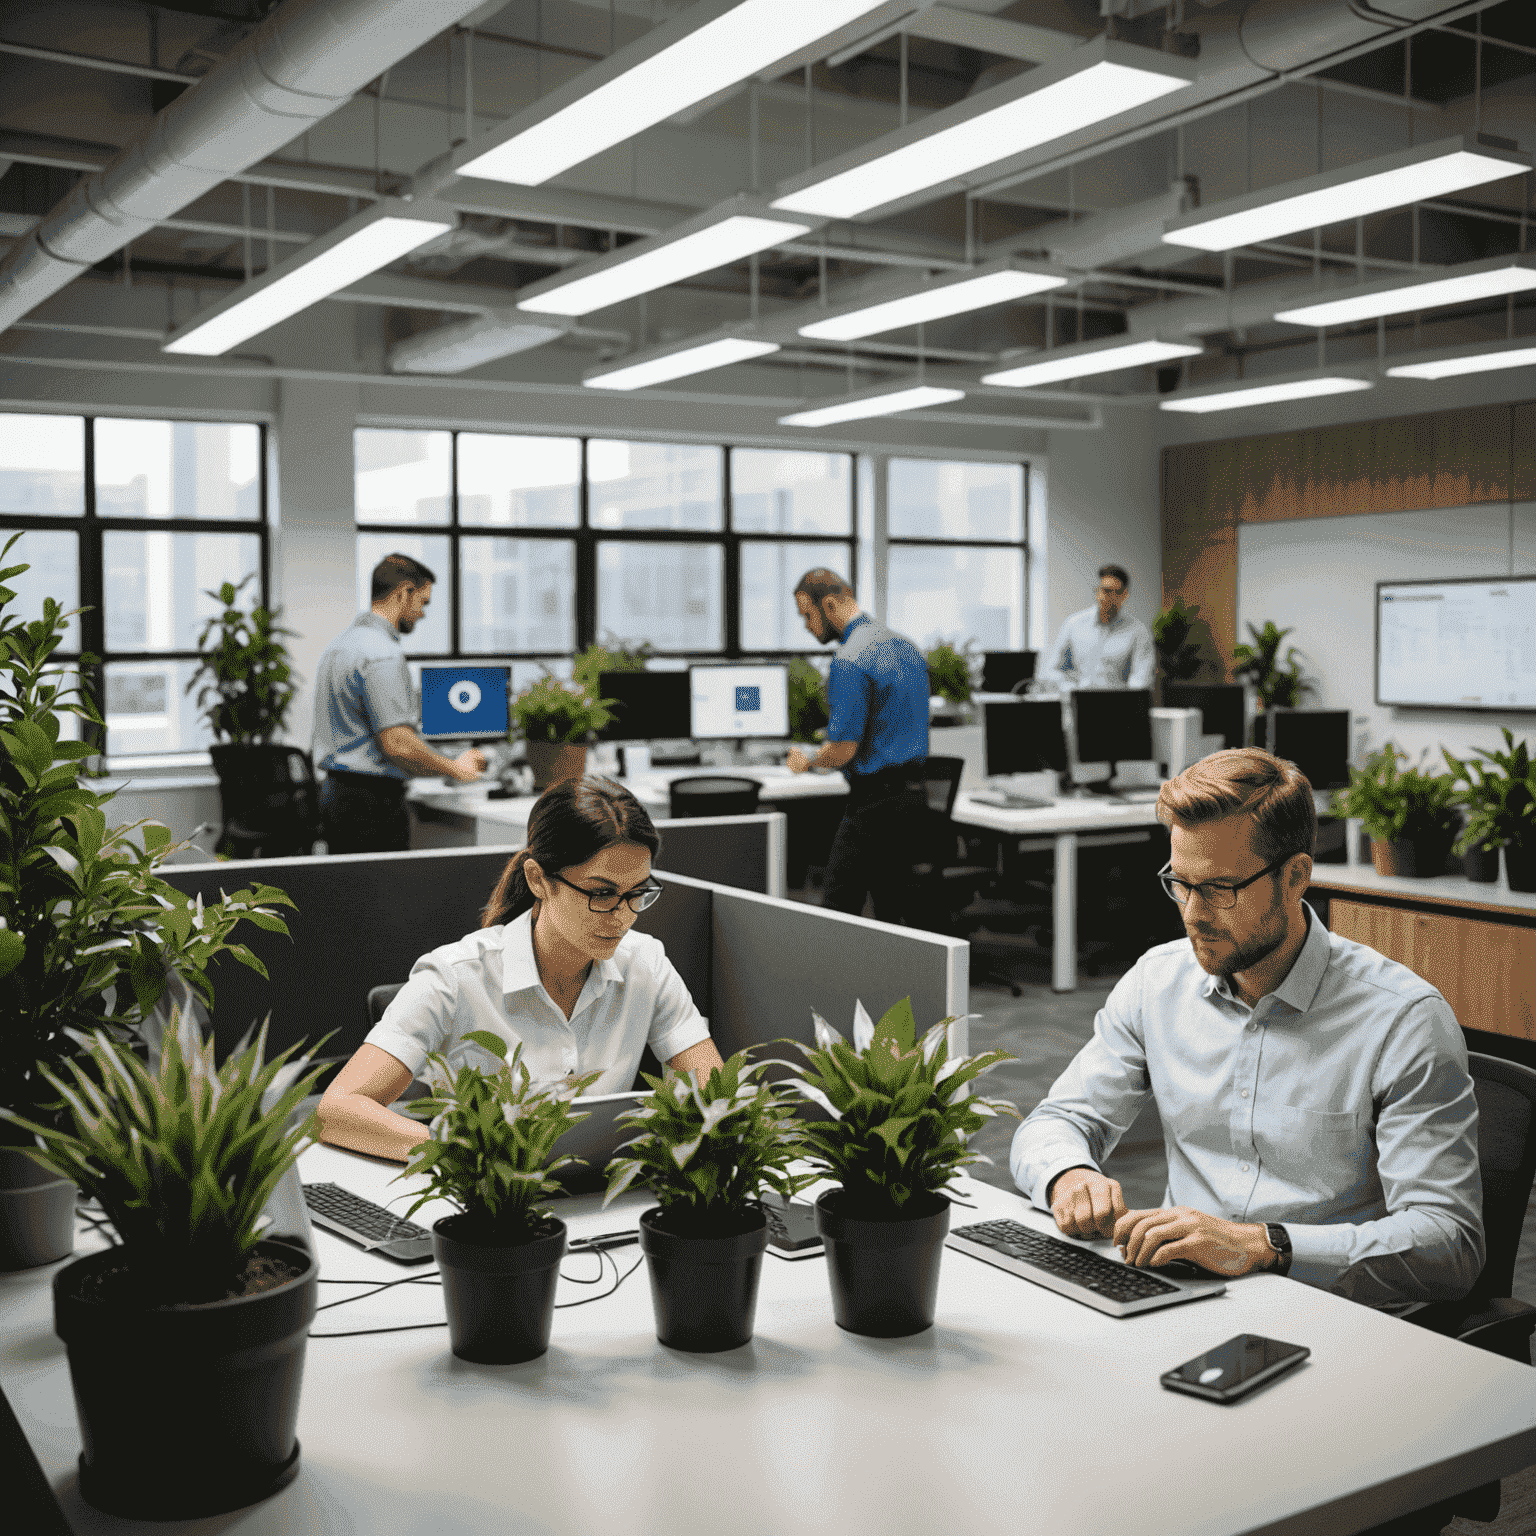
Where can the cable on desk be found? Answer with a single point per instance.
(379, 1285)
(604, 1295)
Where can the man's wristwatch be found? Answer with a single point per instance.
(1280, 1240)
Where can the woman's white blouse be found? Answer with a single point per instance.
(489, 980)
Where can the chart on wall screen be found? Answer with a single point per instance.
(1457, 644)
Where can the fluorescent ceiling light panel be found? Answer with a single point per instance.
(914, 398)
(997, 283)
(709, 47)
(700, 357)
(1391, 181)
(1096, 357)
(1091, 84)
(1488, 358)
(1262, 394)
(364, 243)
(659, 261)
(1392, 296)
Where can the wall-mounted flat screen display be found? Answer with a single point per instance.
(1458, 644)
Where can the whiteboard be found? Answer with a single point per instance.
(1457, 644)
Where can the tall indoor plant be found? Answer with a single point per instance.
(708, 1153)
(1498, 796)
(1178, 657)
(556, 720)
(949, 672)
(186, 1337)
(1408, 813)
(491, 1154)
(1279, 683)
(808, 705)
(895, 1138)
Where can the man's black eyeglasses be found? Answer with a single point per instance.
(1218, 895)
(638, 900)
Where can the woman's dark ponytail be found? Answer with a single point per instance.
(573, 821)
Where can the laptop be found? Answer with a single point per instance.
(595, 1140)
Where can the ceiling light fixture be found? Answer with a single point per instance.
(998, 282)
(1244, 395)
(1100, 80)
(1484, 358)
(711, 46)
(1092, 357)
(364, 243)
(678, 362)
(1392, 296)
(731, 232)
(1371, 186)
(912, 397)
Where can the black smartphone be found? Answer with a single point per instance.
(1234, 1369)
(792, 1230)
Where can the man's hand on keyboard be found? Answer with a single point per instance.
(1086, 1204)
(1149, 1238)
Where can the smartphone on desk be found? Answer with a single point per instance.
(1232, 1370)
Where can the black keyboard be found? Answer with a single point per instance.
(1073, 1270)
(368, 1225)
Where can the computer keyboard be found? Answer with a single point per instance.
(368, 1225)
(1074, 1271)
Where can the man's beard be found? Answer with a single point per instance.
(406, 625)
(1245, 956)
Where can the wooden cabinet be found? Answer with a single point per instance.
(1486, 970)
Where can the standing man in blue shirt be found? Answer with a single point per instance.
(878, 735)
(365, 719)
(1101, 646)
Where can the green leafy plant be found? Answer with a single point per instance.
(555, 710)
(1280, 684)
(493, 1134)
(899, 1117)
(1498, 796)
(610, 655)
(182, 1158)
(1178, 657)
(809, 709)
(707, 1154)
(950, 670)
(90, 935)
(247, 681)
(1396, 803)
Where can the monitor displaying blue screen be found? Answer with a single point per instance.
(739, 701)
(464, 702)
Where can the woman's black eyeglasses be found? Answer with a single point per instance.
(1218, 895)
(638, 900)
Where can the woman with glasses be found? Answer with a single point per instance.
(554, 965)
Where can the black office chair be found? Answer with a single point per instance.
(944, 878)
(276, 813)
(379, 998)
(714, 795)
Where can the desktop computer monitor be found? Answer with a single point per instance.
(1003, 671)
(647, 706)
(739, 701)
(1316, 740)
(464, 703)
(1222, 706)
(1112, 725)
(1026, 737)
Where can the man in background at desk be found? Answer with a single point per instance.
(1316, 1106)
(1101, 647)
(365, 719)
(878, 733)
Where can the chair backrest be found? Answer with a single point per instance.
(941, 782)
(714, 795)
(1506, 1150)
(379, 998)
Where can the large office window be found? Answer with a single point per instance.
(135, 520)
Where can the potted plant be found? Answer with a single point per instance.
(186, 1336)
(491, 1155)
(949, 676)
(610, 655)
(557, 719)
(808, 708)
(707, 1154)
(895, 1139)
(1279, 684)
(90, 937)
(1498, 797)
(1408, 813)
(1178, 657)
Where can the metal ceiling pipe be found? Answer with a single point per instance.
(307, 59)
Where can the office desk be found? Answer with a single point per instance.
(1069, 824)
(1019, 1411)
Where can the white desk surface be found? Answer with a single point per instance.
(1449, 890)
(1095, 814)
(1019, 1411)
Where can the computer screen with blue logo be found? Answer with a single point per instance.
(459, 703)
(738, 701)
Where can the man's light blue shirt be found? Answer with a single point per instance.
(1340, 1106)
(1089, 654)
(878, 697)
(362, 687)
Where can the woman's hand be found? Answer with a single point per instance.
(700, 1059)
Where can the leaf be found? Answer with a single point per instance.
(246, 958)
(898, 1024)
(13, 949)
(488, 1042)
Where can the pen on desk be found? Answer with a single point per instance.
(604, 1240)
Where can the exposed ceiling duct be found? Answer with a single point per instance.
(465, 344)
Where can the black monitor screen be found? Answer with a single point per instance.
(1222, 708)
(1113, 725)
(1025, 737)
(1003, 671)
(1316, 740)
(648, 706)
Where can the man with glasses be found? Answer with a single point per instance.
(1317, 1111)
(1101, 646)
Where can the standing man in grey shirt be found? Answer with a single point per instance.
(1101, 646)
(365, 719)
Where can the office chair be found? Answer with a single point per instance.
(943, 879)
(714, 795)
(277, 813)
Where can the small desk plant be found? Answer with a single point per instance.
(557, 719)
(186, 1336)
(895, 1138)
(493, 1136)
(1408, 814)
(1498, 796)
(708, 1154)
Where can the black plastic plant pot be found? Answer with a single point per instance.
(37, 1213)
(1481, 865)
(1520, 866)
(884, 1272)
(704, 1289)
(500, 1298)
(189, 1410)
